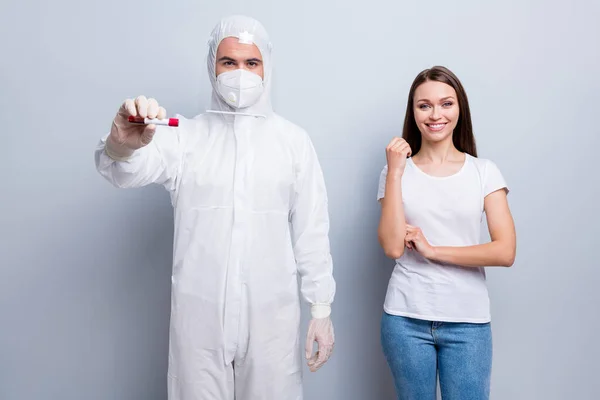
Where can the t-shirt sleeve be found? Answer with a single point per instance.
(382, 179)
(494, 180)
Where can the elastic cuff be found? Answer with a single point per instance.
(123, 154)
(319, 311)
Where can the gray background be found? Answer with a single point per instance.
(85, 268)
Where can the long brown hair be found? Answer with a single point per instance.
(462, 137)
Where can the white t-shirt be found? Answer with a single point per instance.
(449, 211)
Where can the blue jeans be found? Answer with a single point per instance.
(417, 351)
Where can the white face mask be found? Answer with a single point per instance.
(240, 88)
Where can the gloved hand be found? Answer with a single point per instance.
(126, 137)
(320, 330)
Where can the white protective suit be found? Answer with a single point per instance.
(250, 216)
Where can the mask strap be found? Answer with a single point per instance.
(236, 113)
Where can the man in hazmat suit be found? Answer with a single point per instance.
(251, 216)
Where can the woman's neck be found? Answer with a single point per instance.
(438, 153)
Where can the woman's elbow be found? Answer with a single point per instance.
(390, 245)
(393, 252)
(508, 259)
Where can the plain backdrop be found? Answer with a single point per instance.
(85, 268)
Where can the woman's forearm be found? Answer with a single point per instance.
(392, 225)
(495, 253)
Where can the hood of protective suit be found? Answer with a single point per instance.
(248, 31)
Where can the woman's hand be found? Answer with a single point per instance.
(415, 239)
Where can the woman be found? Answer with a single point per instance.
(434, 192)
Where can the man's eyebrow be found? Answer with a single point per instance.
(226, 58)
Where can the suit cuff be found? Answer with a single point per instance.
(319, 311)
(116, 152)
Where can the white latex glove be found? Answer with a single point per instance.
(126, 137)
(320, 330)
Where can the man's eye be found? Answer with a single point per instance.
(252, 64)
(228, 63)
